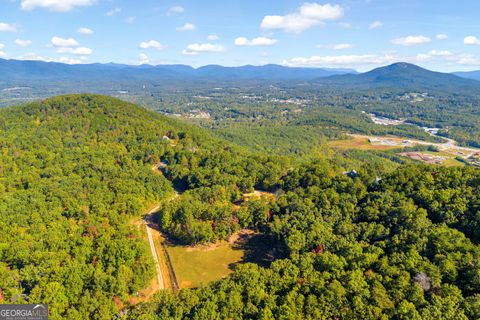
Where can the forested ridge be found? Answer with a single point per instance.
(74, 171)
(389, 241)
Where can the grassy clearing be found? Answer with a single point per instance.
(195, 267)
(359, 143)
(452, 162)
(362, 143)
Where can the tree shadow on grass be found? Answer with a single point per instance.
(260, 249)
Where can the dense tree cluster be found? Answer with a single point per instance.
(405, 247)
(76, 170)
(73, 175)
(206, 215)
(388, 241)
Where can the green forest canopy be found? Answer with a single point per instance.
(76, 169)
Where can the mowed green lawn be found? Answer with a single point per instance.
(195, 267)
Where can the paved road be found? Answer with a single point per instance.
(148, 224)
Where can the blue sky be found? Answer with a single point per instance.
(361, 34)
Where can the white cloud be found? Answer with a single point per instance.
(431, 58)
(468, 60)
(375, 25)
(306, 16)
(441, 36)
(423, 57)
(55, 5)
(151, 44)
(143, 59)
(175, 10)
(33, 56)
(197, 48)
(2, 46)
(434, 55)
(212, 37)
(448, 58)
(186, 27)
(440, 53)
(7, 27)
(61, 42)
(411, 40)
(471, 40)
(70, 46)
(69, 60)
(80, 51)
(321, 12)
(259, 41)
(3, 54)
(340, 60)
(23, 43)
(130, 19)
(342, 46)
(85, 31)
(338, 46)
(113, 12)
(345, 25)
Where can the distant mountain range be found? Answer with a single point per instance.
(469, 74)
(18, 70)
(400, 75)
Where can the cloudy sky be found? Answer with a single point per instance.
(361, 34)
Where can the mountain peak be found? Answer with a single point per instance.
(398, 67)
(404, 75)
(402, 65)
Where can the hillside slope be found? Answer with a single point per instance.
(74, 171)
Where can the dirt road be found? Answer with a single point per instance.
(151, 230)
(149, 225)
